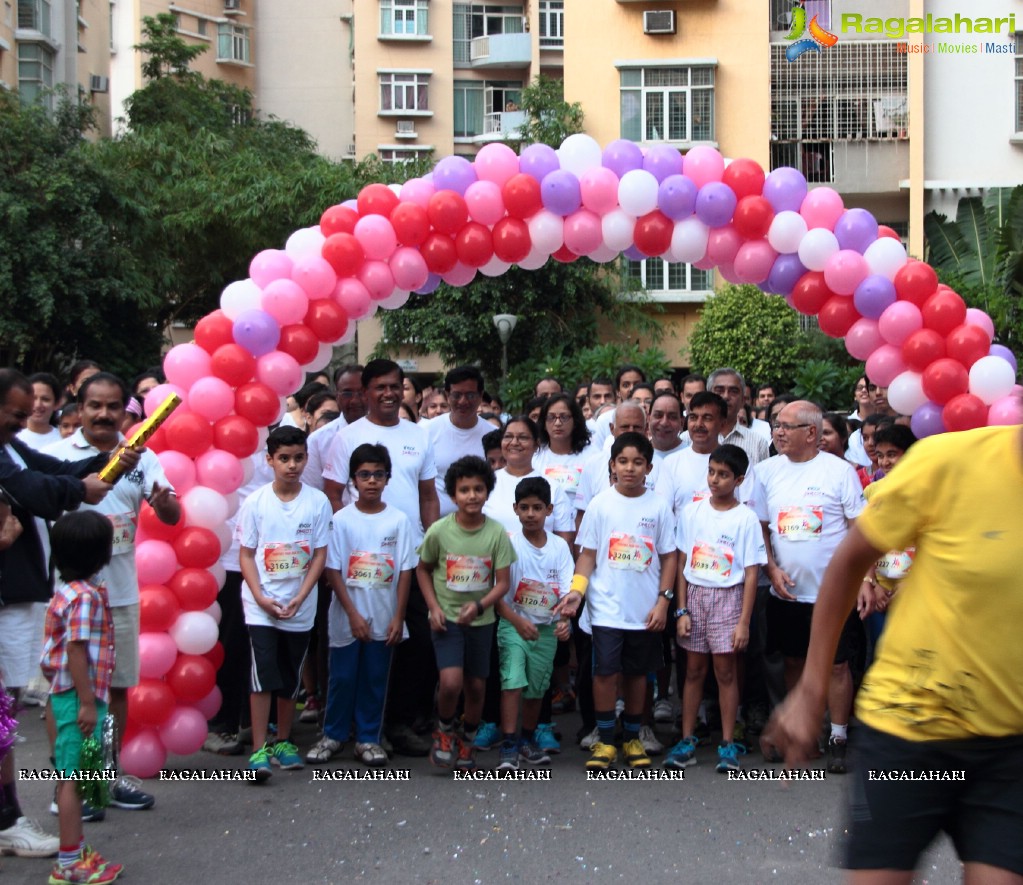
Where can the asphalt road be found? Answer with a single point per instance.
(429, 829)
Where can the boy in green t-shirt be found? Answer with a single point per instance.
(463, 571)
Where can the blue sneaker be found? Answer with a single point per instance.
(285, 754)
(259, 762)
(683, 753)
(728, 758)
(488, 736)
(545, 740)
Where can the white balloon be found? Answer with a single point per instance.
(885, 256)
(618, 227)
(786, 232)
(240, 296)
(395, 189)
(534, 260)
(218, 572)
(204, 507)
(816, 247)
(232, 499)
(349, 334)
(580, 152)
(305, 241)
(604, 254)
(991, 378)
(494, 268)
(224, 534)
(194, 633)
(637, 192)
(396, 299)
(689, 240)
(214, 611)
(547, 231)
(323, 356)
(906, 392)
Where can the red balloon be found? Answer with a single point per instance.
(196, 548)
(945, 379)
(439, 253)
(474, 244)
(258, 403)
(326, 319)
(195, 588)
(338, 220)
(191, 678)
(915, 281)
(564, 255)
(922, 348)
(837, 316)
(213, 331)
(411, 224)
(299, 341)
(964, 412)
(511, 240)
(447, 212)
(189, 434)
(753, 216)
(884, 231)
(810, 293)
(744, 177)
(215, 655)
(943, 311)
(233, 363)
(968, 343)
(377, 199)
(522, 196)
(236, 435)
(344, 253)
(150, 702)
(158, 609)
(155, 528)
(653, 233)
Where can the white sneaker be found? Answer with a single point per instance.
(663, 711)
(371, 754)
(619, 708)
(649, 741)
(592, 738)
(27, 839)
(324, 749)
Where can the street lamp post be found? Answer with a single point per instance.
(505, 325)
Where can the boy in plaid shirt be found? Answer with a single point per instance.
(78, 659)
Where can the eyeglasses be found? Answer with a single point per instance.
(862, 388)
(778, 425)
(517, 437)
(554, 418)
(378, 475)
(458, 397)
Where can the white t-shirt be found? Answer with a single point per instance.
(719, 544)
(601, 429)
(596, 478)
(683, 480)
(500, 504)
(854, 449)
(565, 470)
(39, 441)
(285, 535)
(318, 445)
(660, 456)
(628, 535)
(411, 463)
(121, 506)
(808, 506)
(449, 443)
(539, 577)
(763, 428)
(262, 473)
(370, 550)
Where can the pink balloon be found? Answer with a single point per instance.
(280, 372)
(485, 203)
(157, 654)
(353, 297)
(976, 317)
(185, 364)
(219, 470)
(460, 275)
(270, 265)
(822, 207)
(209, 706)
(155, 562)
(408, 267)
(863, 338)
(754, 260)
(722, 244)
(727, 270)
(211, 398)
(599, 190)
(144, 755)
(417, 190)
(1006, 411)
(495, 162)
(180, 470)
(898, 322)
(377, 278)
(885, 364)
(377, 237)
(286, 301)
(583, 232)
(845, 270)
(184, 731)
(315, 275)
(702, 165)
(159, 393)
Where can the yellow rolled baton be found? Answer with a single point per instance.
(116, 467)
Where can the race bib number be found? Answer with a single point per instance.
(895, 564)
(701, 495)
(370, 571)
(566, 477)
(711, 560)
(469, 574)
(287, 559)
(536, 599)
(800, 523)
(632, 553)
(124, 532)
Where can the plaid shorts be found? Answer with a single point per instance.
(715, 614)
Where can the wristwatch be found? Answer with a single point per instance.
(479, 609)
(668, 594)
(681, 612)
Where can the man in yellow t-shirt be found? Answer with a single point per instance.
(942, 706)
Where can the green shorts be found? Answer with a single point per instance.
(526, 665)
(68, 748)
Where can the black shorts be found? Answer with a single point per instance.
(464, 648)
(277, 657)
(788, 630)
(630, 652)
(893, 821)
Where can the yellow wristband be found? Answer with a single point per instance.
(579, 585)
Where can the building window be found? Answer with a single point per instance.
(404, 92)
(35, 74)
(658, 275)
(404, 18)
(200, 27)
(402, 155)
(233, 43)
(1019, 81)
(781, 13)
(552, 24)
(474, 20)
(34, 15)
(668, 104)
(468, 108)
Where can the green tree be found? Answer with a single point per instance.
(549, 118)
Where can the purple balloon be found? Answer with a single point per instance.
(662, 160)
(538, 160)
(1006, 354)
(926, 420)
(785, 188)
(873, 295)
(676, 197)
(621, 156)
(431, 284)
(559, 192)
(856, 229)
(785, 273)
(256, 331)
(454, 174)
(715, 204)
(634, 254)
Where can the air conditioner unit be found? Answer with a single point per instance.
(98, 83)
(406, 128)
(232, 5)
(350, 149)
(659, 21)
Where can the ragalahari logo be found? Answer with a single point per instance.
(818, 36)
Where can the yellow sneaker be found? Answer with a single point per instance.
(602, 757)
(635, 755)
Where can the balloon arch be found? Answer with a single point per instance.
(917, 337)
